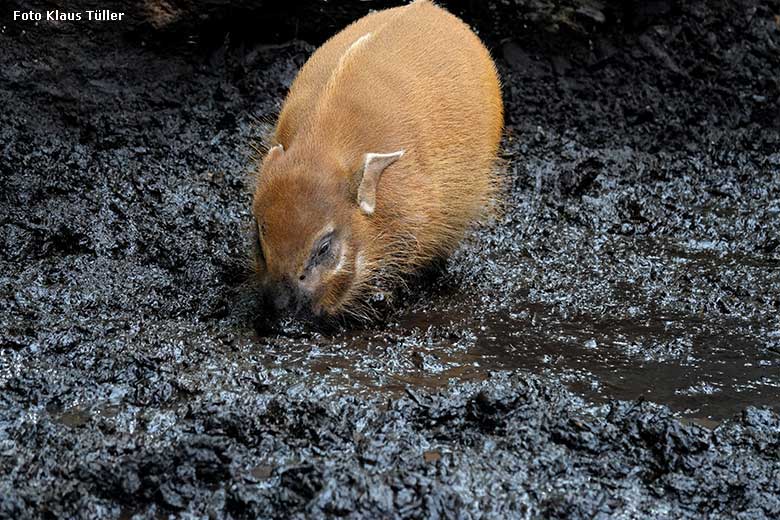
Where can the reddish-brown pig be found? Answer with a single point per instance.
(383, 156)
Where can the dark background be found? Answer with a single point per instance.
(609, 345)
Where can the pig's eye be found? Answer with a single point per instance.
(322, 249)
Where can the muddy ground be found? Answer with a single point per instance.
(608, 347)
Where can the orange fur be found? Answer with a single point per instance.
(421, 82)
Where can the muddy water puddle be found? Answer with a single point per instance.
(704, 367)
(714, 377)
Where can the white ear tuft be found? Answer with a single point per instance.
(274, 151)
(373, 166)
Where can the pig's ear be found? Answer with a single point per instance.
(274, 153)
(373, 166)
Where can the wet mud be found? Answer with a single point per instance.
(608, 346)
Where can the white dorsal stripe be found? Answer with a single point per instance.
(351, 50)
(341, 66)
(357, 43)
